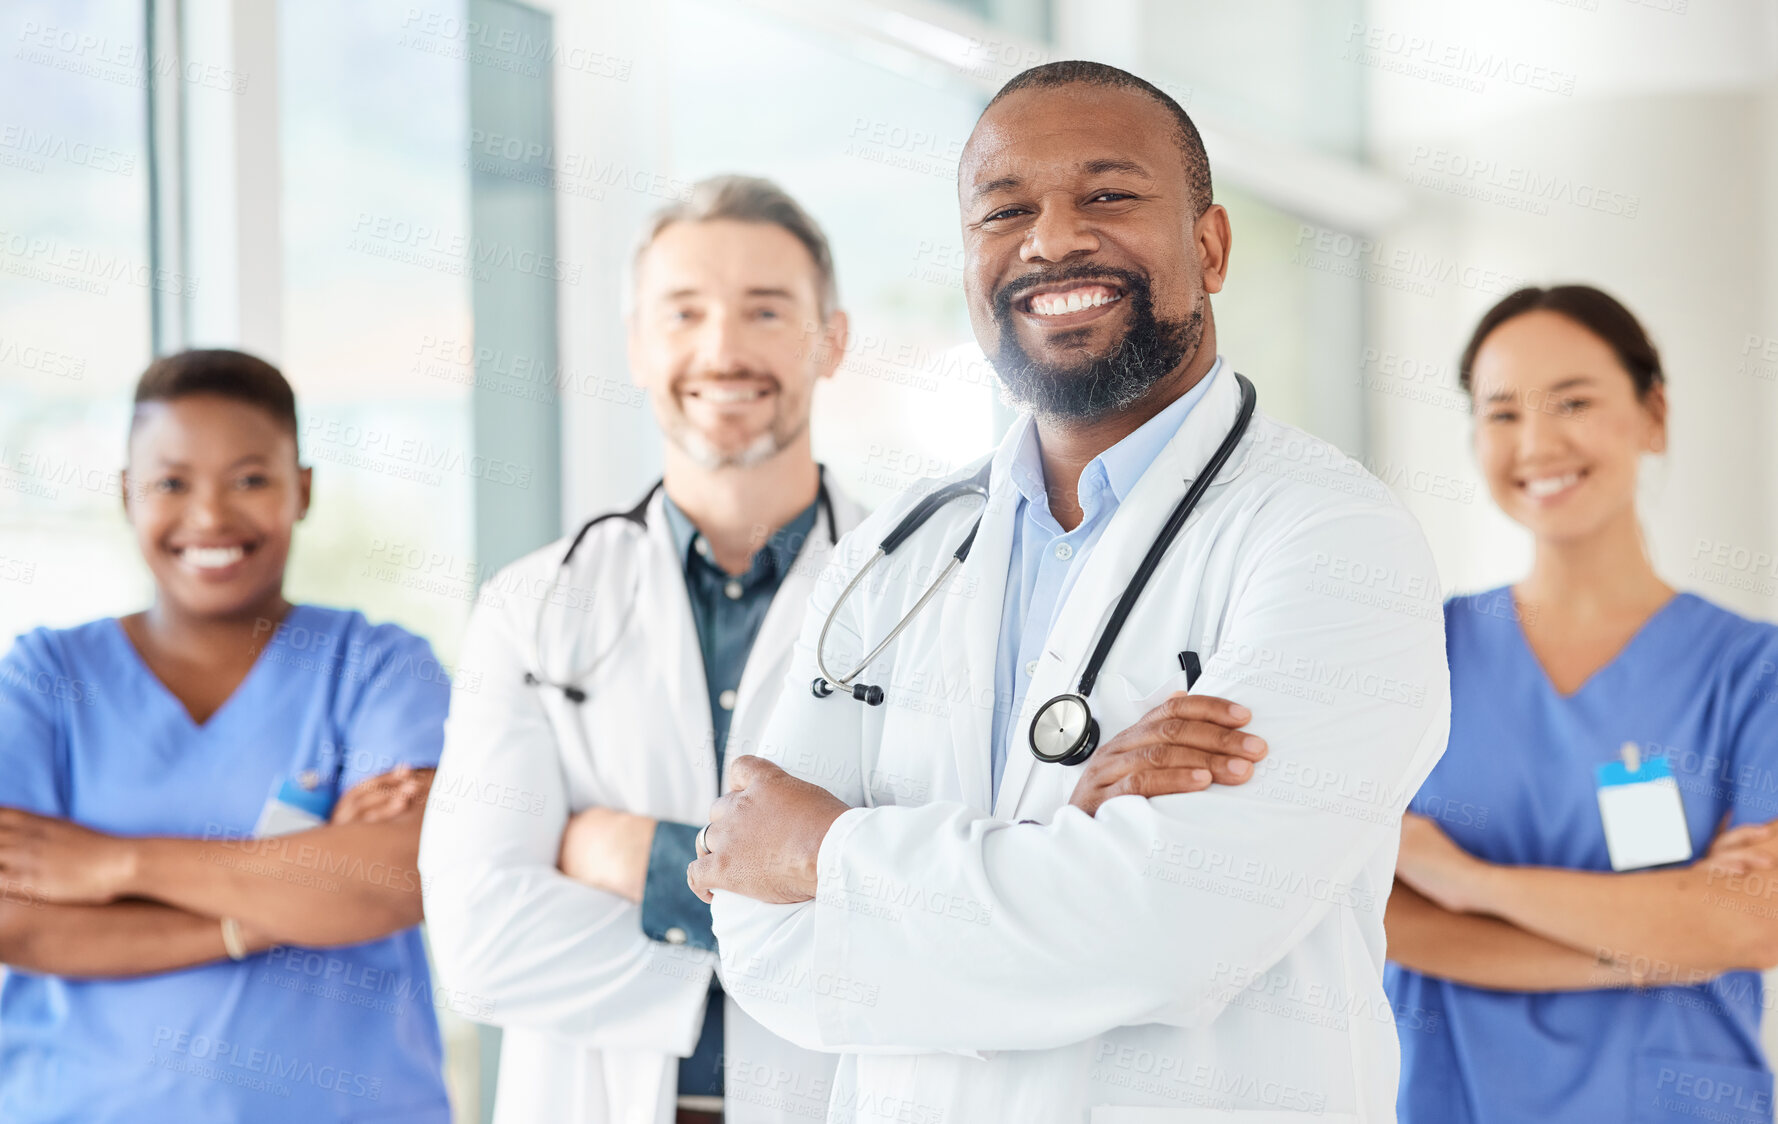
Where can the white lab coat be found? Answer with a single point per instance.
(1215, 956)
(595, 1013)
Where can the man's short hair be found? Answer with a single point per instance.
(746, 199)
(1075, 71)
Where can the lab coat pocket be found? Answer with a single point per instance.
(1123, 701)
(1669, 1088)
(1160, 1114)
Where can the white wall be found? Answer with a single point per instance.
(1656, 176)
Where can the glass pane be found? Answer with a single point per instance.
(1028, 19)
(419, 319)
(378, 338)
(75, 285)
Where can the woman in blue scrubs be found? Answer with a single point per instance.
(1531, 980)
(210, 810)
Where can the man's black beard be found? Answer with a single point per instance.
(1150, 350)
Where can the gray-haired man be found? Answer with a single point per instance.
(565, 911)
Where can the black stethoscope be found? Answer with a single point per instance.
(638, 516)
(1064, 731)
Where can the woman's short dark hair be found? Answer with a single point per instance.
(234, 375)
(1593, 309)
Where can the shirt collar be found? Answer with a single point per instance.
(684, 534)
(787, 541)
(1118, 467)
(1126, 461)
(774, 557)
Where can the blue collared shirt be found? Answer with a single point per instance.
(1046, 560)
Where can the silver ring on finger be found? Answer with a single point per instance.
(698, 843)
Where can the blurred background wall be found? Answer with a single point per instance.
(423, 209)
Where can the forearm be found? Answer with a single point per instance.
(1486, 951)
(130, 938)
(1678, 925)
(334, 885)
(671, 912)
(914, 900)
(547, 953)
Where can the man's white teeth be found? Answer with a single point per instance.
(1059, 304)
(723, 396)
(1549, 485)
(212, 557)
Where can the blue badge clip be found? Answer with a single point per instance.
(1633, 769)
(316, 801)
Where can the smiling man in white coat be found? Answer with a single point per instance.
(615, 669)
(938, 906)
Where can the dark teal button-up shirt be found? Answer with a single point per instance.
(728, 610)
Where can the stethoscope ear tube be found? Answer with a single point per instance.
(638, 516)
(863, 692)
(922, 511)
(1064, 731)
(569, 691)
(961, 554)
(1164, 541)
(911, 522)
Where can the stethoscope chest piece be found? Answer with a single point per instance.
(1064, 731)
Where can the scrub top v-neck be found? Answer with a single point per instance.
(1516, 785)
(88, 733)
(152, 680)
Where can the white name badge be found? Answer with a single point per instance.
(1644, 816)
(292, 806)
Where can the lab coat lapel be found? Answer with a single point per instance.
(676, 633)
(972, 638)
(769, 658)
(1112, 563)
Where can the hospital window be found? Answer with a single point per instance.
(378, 333)
(419, 299)
(75, 282)
(419, 309)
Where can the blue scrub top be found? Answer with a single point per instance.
(88, 733)
(1516, 785)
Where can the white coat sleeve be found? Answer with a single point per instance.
(515, 940)
(1045, 935)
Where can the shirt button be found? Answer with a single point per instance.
(702, 546)
(732, 590)
(675, 935)
(726, 700)
(1031, 668)
(1064, 551)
